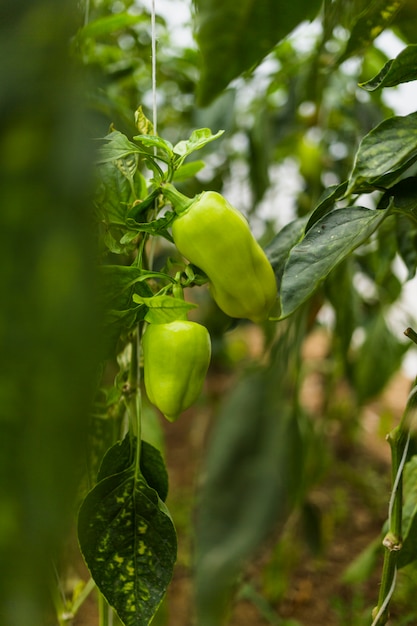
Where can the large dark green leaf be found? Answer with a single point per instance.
(402, 69)
(384, 153)
(326, 244)
(252, 475)
(406, 234)
(279, 248)
(369, 24)
(234, 36)
(344, 300)
(129, 544)
(381, 347)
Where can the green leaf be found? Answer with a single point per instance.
(403, 197)
(344, 299)
(188, 170)
(142, 205)
(235, 36)
(120, 186)
(384, 154)
(108, 24)
(129, 544)
(153, 141)
(326, 203)
(252, 475)
(121, 457)
(325, 245)
(163, 309)
(363, 566)
(402, 69)
(382, 347)
(144, 126)
(154, 227)
(198, 139)
(406, 235)
(153, 469)
(370, 23)
(118, 458)
(279, 248)
(117, 146)
(117, 284)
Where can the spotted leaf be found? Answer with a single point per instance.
(129, 544)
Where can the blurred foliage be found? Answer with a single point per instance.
(48, 314)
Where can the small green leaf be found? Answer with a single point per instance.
(325, 245)
(363, 566)
(129, 544)
(116, 146)
(153, 141)
(117, 282)
(154, 227)
(402, 69)
(198, 139)
(144, 126)
(384, 153)
(164, 309)
(188, 170)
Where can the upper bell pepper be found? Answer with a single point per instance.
(176, 357)
(216, 237)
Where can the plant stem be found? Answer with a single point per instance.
(103, 611)
(398, 439)
(134, 400)
(81, 598)
(411, 334)
(179, 201)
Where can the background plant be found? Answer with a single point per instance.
(300, 111)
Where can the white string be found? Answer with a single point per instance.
(411, 395)
(386, 601)
(153, 36)
(398, 478)
(87, 12)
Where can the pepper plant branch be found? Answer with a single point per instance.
(103, 610)
(399, 439)
(411, 334)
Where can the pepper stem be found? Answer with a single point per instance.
(179, 201)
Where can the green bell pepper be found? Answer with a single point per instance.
(216, 237)
(176, 356)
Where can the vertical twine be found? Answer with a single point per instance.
(153, 57)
